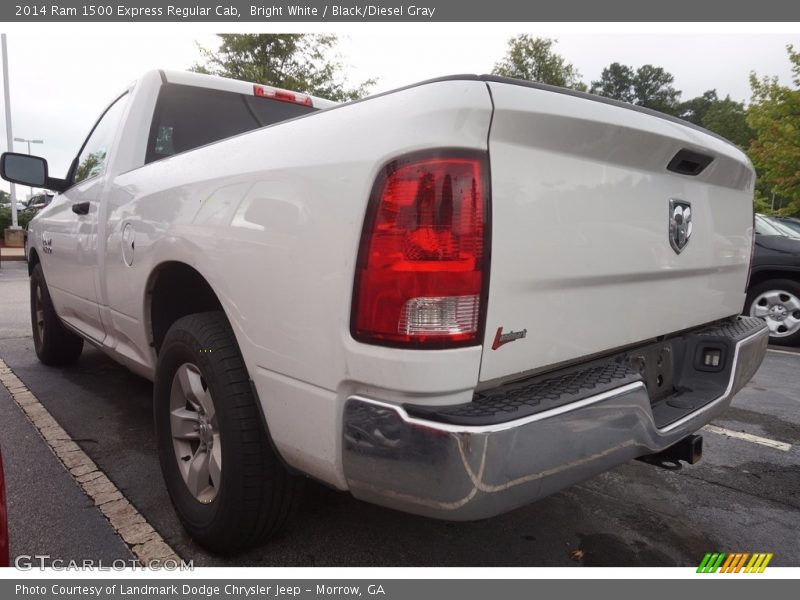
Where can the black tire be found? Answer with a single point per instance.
(787, 286)
(55, 345)
(257, 494)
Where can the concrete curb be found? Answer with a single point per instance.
(144, 541)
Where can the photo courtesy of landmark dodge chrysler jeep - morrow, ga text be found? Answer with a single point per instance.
(451, 299)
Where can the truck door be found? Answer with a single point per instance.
(69, 229)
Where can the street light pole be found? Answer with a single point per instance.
(9, 135)
(29, 142)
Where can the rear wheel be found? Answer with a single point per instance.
(55, 345)
(228, 486)
(777, 302)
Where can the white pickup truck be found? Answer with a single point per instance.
(451, 299)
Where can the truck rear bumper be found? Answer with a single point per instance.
(466, 472)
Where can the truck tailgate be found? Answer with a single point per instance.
(581, 206)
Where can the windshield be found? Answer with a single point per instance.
(793, 225)
(775, 227)
(764, 227)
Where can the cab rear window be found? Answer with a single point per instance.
(187, 117)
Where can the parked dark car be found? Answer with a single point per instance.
(3, 521)
(774, 290)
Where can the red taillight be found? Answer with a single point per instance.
(283, 95)
(422, 262)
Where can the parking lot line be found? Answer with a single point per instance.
(144, 541)
(776, 351)
(740, 435)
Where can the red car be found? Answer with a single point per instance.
(3, 526)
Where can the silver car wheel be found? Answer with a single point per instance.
(781, 311)
(195, 433)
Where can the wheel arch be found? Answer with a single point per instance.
(33, 260)
(759, 276)
(174, 290)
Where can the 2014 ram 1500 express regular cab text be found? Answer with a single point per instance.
(451, 299)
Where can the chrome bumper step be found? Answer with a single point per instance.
(465, 472)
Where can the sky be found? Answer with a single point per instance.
(60, 82)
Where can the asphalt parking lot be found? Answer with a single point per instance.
(743, 495)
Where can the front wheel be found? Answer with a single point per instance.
(228, 486)
(777, 302)
(55, 345)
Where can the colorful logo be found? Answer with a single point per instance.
(501, 338)
(735, 562)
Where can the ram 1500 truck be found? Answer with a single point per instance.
(451, 299)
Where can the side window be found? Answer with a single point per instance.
(94, 155)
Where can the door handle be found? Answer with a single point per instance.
(80, 208)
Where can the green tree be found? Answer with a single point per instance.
(23, 217)
(695, 110)
(616, 82)
(298, 62)
(723, 116)
(774, 116)
(647, 86)
(728, 118)
(5, 197)
(533, 59)
(652, 88)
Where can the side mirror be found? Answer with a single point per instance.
(23, 169)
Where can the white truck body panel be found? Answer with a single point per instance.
(272, 220)
(252, 219)
(580, 196)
